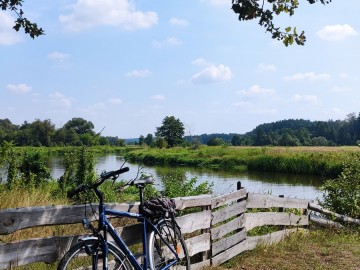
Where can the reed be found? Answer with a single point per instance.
(324, 161)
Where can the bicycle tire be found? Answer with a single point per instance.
(81, 256)
(160, 254)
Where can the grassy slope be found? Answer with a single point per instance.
(322, 249)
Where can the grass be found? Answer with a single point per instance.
(319, 249)
(324, 161)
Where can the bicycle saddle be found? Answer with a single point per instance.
(143, 181)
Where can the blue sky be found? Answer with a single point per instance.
(125, 65)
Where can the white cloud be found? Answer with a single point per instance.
(337, 32)
(178, 22)
(158, 97)
(115, 100)
(310, 76)
(60, 100)
(58, 56)
(19, 88)
(256, 90)
(86, 14)
(266, 67)
(8, 36)
(170, 41)
(201, 62)
(139, 73)
(305, 98)
(212, 73)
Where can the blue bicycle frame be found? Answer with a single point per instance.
(107, 227)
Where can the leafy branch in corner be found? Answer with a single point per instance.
(21, 22)
(251, 9)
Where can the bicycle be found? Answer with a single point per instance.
(162, 243)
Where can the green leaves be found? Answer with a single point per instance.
(21, 22)
(249, 9)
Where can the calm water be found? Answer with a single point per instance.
(302, 187)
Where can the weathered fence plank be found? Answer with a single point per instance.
(271, 238)
(267, 201)
(253, 220)
(227, 242)
(194, 201)
(323, 222)
(249, 244)
(195, 221)
(15, 219)
(224, 229)
(229, 253)
(224, 199)
(228, 212)
(336, 216)
(198, 243)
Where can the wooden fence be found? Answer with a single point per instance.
(215, 231)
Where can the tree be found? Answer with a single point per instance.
(80, 125)
(236, 140)
(265, 11)
(215, 142)
(21, 21)
(172, 130)
(149, 139)
(141, 140)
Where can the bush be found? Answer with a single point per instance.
(342, 195)
(176, 184)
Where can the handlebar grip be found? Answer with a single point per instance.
(108, 175)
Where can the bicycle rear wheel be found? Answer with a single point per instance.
(160, 254)
(87, 254)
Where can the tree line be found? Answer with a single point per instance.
(75, 132)
(290, 132)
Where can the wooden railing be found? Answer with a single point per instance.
(215, 231)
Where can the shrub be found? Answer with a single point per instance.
(342, 195)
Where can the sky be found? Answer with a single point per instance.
(126, 65)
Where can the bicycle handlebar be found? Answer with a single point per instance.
(104, 176)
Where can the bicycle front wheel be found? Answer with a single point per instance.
(87, 254)
(160, 254)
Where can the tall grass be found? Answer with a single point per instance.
(324, 161)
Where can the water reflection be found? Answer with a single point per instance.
(295, 186)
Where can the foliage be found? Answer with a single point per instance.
(342, 195)
(76, 132)
(33, 170)
(215, 142)
(21, 22)
(27, 169)
(176, 184)
(79, 165)
(172, 130)
(265, 11)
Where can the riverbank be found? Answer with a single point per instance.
(322, 161)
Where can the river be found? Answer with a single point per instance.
(294, 186)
